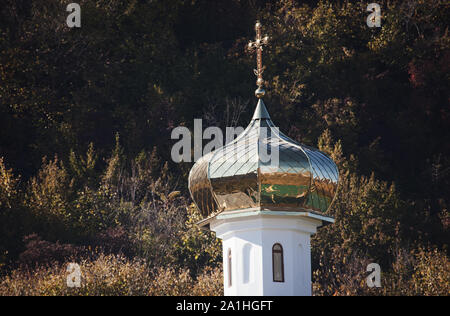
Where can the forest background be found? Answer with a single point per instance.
(86, 116)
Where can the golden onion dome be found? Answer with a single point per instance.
(263, 169)
(243, 174)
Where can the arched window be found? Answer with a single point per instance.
(247, 263)
(229, 269)
(277, 263)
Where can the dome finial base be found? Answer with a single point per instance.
(260, 92)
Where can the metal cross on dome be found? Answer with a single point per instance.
(257, 46)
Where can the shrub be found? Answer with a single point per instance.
(107, 275)
(197, 248)
(14, 217)
(115, 240)
(42, 252)
(111, 275)
(341, 274)
(169, 281)
(48, 198)
(209, 283)
(415, 272)
(432, 273)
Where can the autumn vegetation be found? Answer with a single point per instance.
(86, 115)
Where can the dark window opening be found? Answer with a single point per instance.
(277, 263)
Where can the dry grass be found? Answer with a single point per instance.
(111, 275)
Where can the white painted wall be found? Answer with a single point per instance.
(251, 239)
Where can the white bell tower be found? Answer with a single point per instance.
(267, 252)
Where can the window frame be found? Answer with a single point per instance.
(281, 252)
(230, 268)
